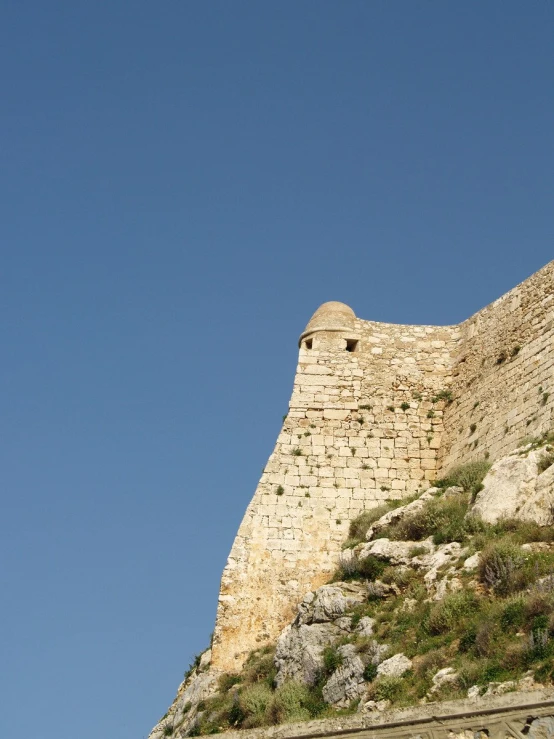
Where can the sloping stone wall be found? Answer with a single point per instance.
(503, 375)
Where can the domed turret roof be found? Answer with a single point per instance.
(331, 316)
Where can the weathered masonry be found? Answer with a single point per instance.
(377, 412)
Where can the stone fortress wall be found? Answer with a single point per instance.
(378, 411)
(503, 381)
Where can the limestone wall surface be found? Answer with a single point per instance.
(502, 379)
(377, 412)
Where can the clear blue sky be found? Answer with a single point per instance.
(182, 184)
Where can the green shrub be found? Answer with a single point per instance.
(194, 665)
(501, 568)
(401, 576)
(544, 673)
(332, 659)
(350, 543)
(442, 518)
(450, 612)
(522, 532)
(431, 662)
(355, 619)
(468, 638)
(444, 395)
(291, 703)
(168, 730)
(227, 681)
(467, 476)
(314, 701)
(388, 688)
(536, 442)
(370, 672)
(260, 667)
(254, 702)
(469, 674)
(486, 638)
(513, 614)
(540, 622)
(359, 525)
(515, 656)
(368, 568)
(491, 670)
(540, 645)
(482, 671)
(537, 604)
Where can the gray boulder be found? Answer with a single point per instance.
(299, 653)
(328, 603)
(347, 681)
(396, 552)
(182, 714)
(376, 653)
(472, 563)
(515, 488)
(395, 666)
(542, 728)
(319, 623)
(444, 555)
(365, 626)
(445, 676)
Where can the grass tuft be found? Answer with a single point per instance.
(359, 525)
(467, 476)
(442, 518)
(545, 461)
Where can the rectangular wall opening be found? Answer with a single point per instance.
(351, 345)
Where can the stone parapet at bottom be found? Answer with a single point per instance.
(510, 716)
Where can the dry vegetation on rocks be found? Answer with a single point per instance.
(436, 605)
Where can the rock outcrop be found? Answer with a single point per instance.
(183, 712)
(518, 486)
(299, 654)
(395, 666)
(347, 681)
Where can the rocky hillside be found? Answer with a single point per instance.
(450, 595)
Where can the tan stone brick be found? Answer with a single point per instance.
(331, 413)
